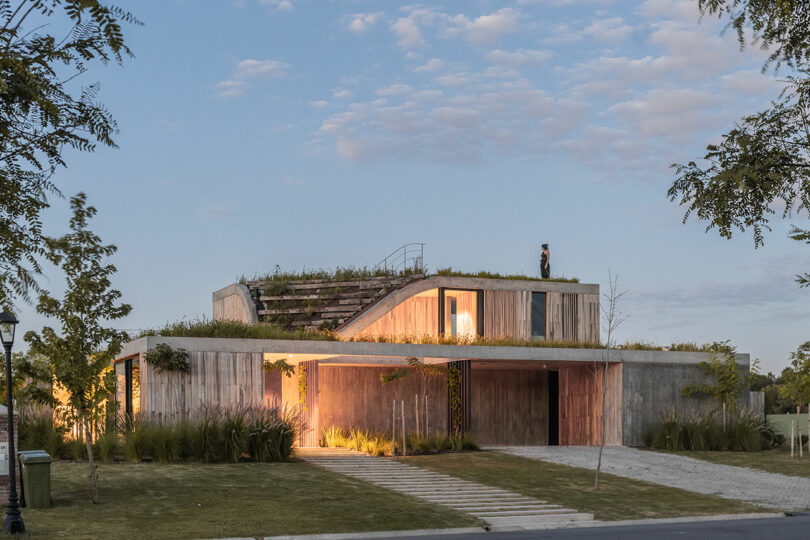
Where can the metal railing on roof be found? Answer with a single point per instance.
(407, 259)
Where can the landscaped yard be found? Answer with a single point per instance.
(775, 461)
(617, 498)
(207, 501)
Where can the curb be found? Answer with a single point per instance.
(379, 534)
(527, 527)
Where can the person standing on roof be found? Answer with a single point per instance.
(545, 262)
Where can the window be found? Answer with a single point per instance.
(460, 312)
(538, 315)
(128, 387)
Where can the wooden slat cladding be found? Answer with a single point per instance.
(416, 316)
(311, 432)
(588, 318)
(353, 396)
(507, 314)
(581, 405)
(510, 406)
(225, 379)
(554, 316)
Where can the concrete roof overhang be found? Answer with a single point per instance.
(372, 353)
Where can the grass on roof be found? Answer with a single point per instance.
(449, 272)
(340, 273)
(236, 329)
(427, 339)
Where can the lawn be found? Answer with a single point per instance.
(775, 461)
(205, 501)
(617, 498)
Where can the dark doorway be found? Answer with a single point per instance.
(553, 408)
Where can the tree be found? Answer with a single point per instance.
(611, 320)
(81, 356)
(764, 162)
(428, 373)
(43, 111)
(796, 386)
(728, 383)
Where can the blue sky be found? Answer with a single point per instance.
(318, 134)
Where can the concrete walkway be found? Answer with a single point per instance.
(741, 483)
(500, 509)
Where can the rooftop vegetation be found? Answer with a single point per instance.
(340, 273)
(494, 275)
(476, 341)
(235, 329)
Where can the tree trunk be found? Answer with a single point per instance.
(604, 423)
(416, 406)
(394, 430)
(404, 441)
(93, 473)
(427, 423)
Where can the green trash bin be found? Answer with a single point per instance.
(35, 468)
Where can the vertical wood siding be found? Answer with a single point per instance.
(225, 379)
(507, 314)
(353, 396)
(311, 433)
(509, 406)
(588, 318)
(416, 316)
(581, 405)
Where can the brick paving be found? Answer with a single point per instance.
(759, 487)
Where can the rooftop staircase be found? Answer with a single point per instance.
(314, 304)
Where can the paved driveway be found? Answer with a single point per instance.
(759, 487)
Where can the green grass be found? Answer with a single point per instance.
(617, 498)
(215, 501)
(449, 272)
(340, 273)
(235, 329)
(427, 339)
(777, 460)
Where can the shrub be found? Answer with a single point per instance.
(379, 444)
(744, 431)
(37, 431)
(107, 447)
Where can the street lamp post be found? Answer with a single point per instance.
(13, 523)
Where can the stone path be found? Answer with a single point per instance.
(498, 508)
(751, 485)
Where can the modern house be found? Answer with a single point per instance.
(502, 390)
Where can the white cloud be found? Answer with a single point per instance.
(519, 57)
(611, 30)
(321, 103)
(486, 29)
(395, 90)
(361, 22)
(434, 64)
(410, 36)
(452, 79)
(341, 93)
(673, 114)
(279, 5)
(751, 81)
(681, 10)
(249, 70)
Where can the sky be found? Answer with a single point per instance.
(315, 134)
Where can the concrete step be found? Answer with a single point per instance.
(531, 520)
(478, 507)
(535, 512)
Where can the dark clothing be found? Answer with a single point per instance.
(545, 267)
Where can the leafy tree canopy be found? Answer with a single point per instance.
(796, 386)
(43, 111)
(80, 355)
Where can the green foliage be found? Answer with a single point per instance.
(279, 365)
(37, 431)
(722, 367)
(216, 435)
(81, 356)
(163, 358)
(42, 113)
(427, 339)
(279, 279)
(744, 432)
(796, 386)
(801, 235)
(454, 394)
(380, 444)
(235, 329)
(302, 386)
(31, 379)
(494, 275)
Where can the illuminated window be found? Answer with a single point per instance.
(460, 312)
(128, 387)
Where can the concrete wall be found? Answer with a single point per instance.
(650, 390)
(233, 303)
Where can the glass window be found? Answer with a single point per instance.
(461, 313)
(538, 315)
